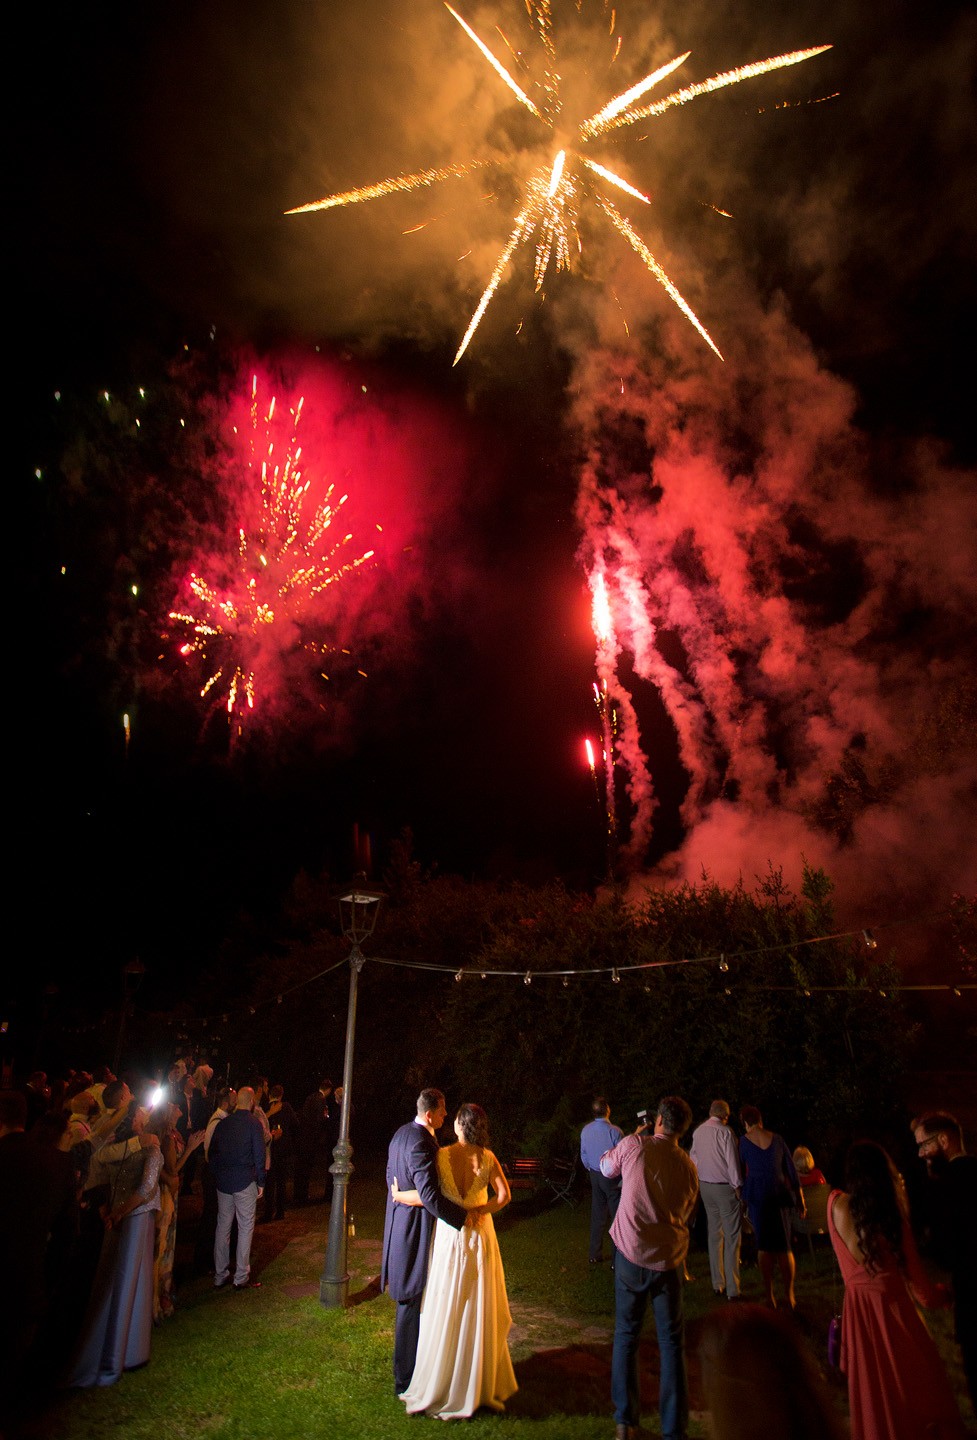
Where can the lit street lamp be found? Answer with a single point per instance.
(358, 911)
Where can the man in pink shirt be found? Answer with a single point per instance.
(659, 1187)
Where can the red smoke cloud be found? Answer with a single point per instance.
(802, 623)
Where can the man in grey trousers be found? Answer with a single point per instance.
(715, 1155)
(237, 1159)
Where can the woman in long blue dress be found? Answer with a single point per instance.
(119, 1322)
(771, 1189)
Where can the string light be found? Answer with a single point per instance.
(615, 973)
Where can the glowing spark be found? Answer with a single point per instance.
(558, 165)
(286, 556)
(552, 194)
(496, 65)
(616, 180)
(603, 629)
(591, 759)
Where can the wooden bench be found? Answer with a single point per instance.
(526, 1172)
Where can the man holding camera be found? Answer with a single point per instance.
(659, 1188)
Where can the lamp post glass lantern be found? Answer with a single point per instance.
(359, 908)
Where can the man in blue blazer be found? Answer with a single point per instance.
(412, 1159)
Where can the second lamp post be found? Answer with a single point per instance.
(358, 911)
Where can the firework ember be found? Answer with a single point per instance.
(290, 549)
(553, 193)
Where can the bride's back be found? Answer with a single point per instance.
(464, 1164)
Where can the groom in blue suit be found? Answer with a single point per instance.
(412, 1159)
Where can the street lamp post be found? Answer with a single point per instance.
(358, 911)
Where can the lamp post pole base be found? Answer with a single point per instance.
(334, 1282)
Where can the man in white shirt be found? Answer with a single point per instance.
(715, 1155)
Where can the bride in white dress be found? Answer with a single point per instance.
(462, 1351)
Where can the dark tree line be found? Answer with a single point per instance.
(754, 1027)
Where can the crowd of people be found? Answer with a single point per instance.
(92, 1169)
(897, 1386)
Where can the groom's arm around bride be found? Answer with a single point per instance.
(412, 1160)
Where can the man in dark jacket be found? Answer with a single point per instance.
(953, 1175)
(412, 1161)
(237, 1160)
(315, 1119)
(284, 1125)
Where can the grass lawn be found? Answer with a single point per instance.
(271, 1364)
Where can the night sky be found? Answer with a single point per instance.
(795, 527)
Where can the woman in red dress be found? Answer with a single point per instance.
(897, 1387)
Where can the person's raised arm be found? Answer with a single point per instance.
(197, 1138)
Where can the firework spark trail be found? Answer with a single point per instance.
(716, 82)
(640, 248)
(552, 194)
(622, 732)
(286, 557)
(395, 185)
(606, 524)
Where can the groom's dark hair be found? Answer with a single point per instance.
(429, 1100)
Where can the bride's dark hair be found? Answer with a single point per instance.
(474, 1125)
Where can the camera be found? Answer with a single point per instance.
(648, 1116)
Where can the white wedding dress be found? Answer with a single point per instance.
(462, 1350)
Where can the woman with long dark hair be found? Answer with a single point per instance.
(897, 1387)
(462, 1351)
